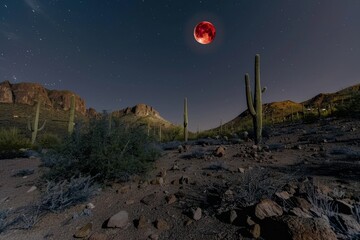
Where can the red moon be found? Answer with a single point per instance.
(204, 32)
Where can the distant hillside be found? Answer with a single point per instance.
(17, 107)
(285, 110)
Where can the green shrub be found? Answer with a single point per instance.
(11, 141)
(350, 108)
(113, 155)
(311, 118)
(48, 140)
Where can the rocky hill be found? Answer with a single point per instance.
(28, 93)
(284, 110)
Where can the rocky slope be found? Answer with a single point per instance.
(28, 93)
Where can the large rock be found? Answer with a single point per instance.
(62, 100)
(6, 95)
(308, 228)
(267, 208)
(29, 93)
(141, 110)
(119, 220)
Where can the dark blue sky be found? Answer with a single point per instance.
(116, 54)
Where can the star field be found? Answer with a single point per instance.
(116, 54)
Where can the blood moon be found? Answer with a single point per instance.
(204, 32)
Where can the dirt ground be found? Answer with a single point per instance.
(328, 151)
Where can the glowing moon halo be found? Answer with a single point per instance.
(204, 32)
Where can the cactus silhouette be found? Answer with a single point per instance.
(35, 127)
(71, 115)
(255, 106)
(185, 120)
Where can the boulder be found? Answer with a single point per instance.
(119, 220)
(267, 208)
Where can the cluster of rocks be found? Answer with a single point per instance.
(297, 213)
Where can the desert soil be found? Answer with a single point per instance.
(326, 152)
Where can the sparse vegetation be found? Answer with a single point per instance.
(114, 155)
(11, 141)
(350, 108)
(63, 194)
(255, 184)
(48, 141)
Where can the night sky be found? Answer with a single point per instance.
(116, 54)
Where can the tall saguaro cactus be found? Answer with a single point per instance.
(35, 127)
(185, 120)
(255, 105)
(71, 115)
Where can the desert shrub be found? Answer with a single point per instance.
(48, 140)
(310, 118)
(63, 194)
(113, 155)
(255, 184)
(11, 141)
(4, 221)
(350, 108)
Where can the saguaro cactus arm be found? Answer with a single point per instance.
(249, 100)
(71, 115)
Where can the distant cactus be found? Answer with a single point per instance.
(71, 115)
(255, 106)
(35, 127)
(160, 133)
(185, 120)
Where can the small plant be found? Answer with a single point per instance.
(255, 184)
(61, 195)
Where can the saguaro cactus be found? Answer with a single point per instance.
(71, 115)
(255, 105)
(185, 120)
(35, 127)
(160, 133)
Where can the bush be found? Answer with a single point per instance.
(351, 108)
(11, 141)
(113, 155)
(61, 195)
(48, 140)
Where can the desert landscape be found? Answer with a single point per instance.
(300, 182)
(179, 120)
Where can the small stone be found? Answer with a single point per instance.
(171, 199)
(255, 230)
(188, 222)
(90, 206)
(241, 170)
(233, 216)
(161, 224)
(153, 237)
(249, 221)
(119, 220)
(149, 199)
(84, 231)
(196, 214)
(141, 222)
(220, 151)
(129, 202)
(283, 195)
(33, 188)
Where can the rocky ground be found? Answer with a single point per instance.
(303, 184)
